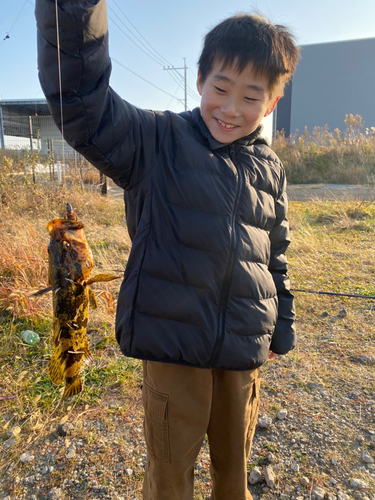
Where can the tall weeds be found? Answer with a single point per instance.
(336, 157)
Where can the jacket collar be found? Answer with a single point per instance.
(213, 143)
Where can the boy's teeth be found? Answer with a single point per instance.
(225, 125)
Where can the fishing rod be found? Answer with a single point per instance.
(356, 295)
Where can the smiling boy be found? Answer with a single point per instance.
(233, 104)
(205, 295)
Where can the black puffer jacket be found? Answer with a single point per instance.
(206, 283)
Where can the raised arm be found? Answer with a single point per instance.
(116, 137)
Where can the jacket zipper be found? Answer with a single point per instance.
(227, 281)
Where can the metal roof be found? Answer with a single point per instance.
(25, 107)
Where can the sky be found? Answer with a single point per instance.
(175, 30)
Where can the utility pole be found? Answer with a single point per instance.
(172, 68)
(2, 135)
(31, 134)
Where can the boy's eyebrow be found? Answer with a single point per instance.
(252, 86)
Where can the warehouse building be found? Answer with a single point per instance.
(27, 123)
(332, 80)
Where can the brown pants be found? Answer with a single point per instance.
(182, 404)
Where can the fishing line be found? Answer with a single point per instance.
(60, 85)
(356, 295)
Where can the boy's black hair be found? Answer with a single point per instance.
(250, 38)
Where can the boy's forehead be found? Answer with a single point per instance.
(230, 73)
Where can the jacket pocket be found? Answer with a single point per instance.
(156, 423)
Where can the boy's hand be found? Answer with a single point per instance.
(271, 355)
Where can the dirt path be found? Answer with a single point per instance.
(331, 192)
(305, 192)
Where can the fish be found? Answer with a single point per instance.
(70, 262)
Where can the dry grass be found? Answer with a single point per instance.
(321, 155)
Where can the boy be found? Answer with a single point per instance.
(205, 295)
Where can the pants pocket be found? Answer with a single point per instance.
(156, 423)
(254, 403)
(253, 414)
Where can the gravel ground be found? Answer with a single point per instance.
(313, 440)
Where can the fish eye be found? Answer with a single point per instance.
(66, 245)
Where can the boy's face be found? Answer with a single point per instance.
(233, 104)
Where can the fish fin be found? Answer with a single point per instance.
(85, 349)
(57, 366)
(41, 292)
(72, 388)
(92, 299)
(102, 277)
(88, 356)
(56, 333)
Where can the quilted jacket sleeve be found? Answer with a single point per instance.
(284, 338)
(116, 137)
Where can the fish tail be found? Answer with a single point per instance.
(73, 386)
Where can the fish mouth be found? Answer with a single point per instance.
(64, 225)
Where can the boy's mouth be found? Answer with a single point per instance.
(227, 126)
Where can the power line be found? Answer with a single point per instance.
(190, 91)
(139, 76)
(158, 58)
(140, 34)
(147, 54)
(150, 57)
(8, 32)
(178, 88)
(180, 82)
(185, 81)
(161, 60)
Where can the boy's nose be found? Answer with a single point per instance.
(230, 107)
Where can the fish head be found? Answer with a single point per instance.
(69, 254)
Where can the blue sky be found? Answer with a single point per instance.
(175, 30)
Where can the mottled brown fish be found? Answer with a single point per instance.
(70, 264)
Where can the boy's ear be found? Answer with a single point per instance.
(272, 106)
(199, 86)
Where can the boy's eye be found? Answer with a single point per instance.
(219, 89)
(250, 99)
